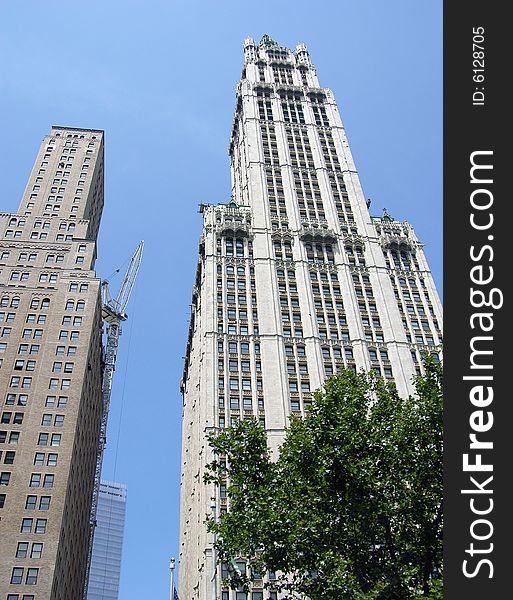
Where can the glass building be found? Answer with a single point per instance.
(108, 542)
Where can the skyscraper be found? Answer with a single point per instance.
(294, 280)
(108, 542)
(50, 369)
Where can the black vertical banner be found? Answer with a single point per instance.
(478, 346)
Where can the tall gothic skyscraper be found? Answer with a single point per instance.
(50, 370)
(294, 280)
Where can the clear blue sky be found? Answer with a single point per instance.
(159, 77)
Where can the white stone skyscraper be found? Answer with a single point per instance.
(294, 280)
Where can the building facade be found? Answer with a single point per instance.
(50, 370)
(108, 542)
(294, 280)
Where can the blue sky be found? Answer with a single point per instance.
(159, 77)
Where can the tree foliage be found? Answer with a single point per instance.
(352, 507)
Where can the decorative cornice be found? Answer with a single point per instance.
(355, 269)
(354, 240)
(283, 235)
(231, 260)
(33, 245)
(318, 234)
(389, 240)
(322, 267)
(285, 264)
(234, 229)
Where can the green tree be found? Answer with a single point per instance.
(351, 509)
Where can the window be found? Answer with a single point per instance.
(4, 478)
(32, 575)
(9, 457)
(48, 481)
(37, 550)
(42, 440)
(46, 419)
(52, 460)
(56, 439)
(17, 575)
(35, 480)
(26, 526)
(31, 503)
(39, 459)
(40, 526)
(50, 401)
(44, 502)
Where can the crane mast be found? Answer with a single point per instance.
(113, 313)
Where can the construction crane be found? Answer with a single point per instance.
(113, 313)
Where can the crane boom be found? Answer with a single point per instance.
(119, 304)
(113, 312)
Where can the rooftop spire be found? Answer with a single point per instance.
(267, 41)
